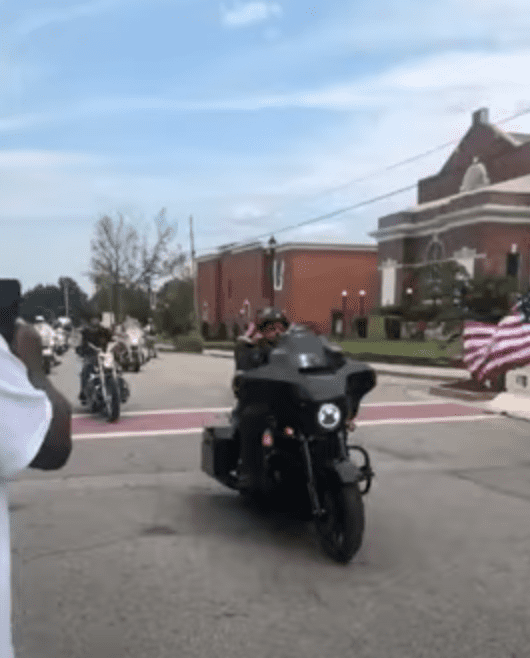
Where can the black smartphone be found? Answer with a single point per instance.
(10, 293)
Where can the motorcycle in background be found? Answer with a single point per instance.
(129, 349)
(149, 337)
(61, 341)
(106, 389)
(48, 343)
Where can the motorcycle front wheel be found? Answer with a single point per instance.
(112, 400)
(341, 527)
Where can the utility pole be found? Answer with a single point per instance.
(194, 274)
(66, 299)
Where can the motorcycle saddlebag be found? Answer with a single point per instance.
(219, 451)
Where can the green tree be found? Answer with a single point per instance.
(121, 258)
(175, 313)
(78, 302)
(50, 302)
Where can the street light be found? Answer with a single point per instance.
(362, 293)
(270, 250)
(344, 301)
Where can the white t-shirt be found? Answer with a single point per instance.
(25, 417)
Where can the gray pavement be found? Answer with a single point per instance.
(131, 551)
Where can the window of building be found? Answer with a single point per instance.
(435, 254)
(278, 273)
(388, 285)
(512, 264)
(466, 259)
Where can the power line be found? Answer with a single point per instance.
(340, 211)
(320, 217)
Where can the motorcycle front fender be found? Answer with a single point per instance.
(346, 472)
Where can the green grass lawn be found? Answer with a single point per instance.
(412, 349)
(429, 349)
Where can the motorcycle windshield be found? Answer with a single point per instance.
(300, 359)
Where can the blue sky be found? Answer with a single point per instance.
(250, 115)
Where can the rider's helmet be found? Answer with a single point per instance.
(271, 316)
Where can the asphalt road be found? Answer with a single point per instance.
(131, 551)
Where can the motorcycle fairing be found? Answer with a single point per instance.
(324, 379)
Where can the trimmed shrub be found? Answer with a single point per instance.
(376, 328)
(192, 342)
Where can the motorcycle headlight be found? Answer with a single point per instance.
(134, 341)
(108, 361)
(329, 416)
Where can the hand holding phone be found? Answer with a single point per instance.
(27, 345)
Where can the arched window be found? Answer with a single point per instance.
(278, 270)
(435, 254)
(435, 251)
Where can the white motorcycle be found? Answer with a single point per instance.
(61, 341)
(131, 349)
(48, 343)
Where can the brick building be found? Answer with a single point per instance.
(475, 211)
(305, 279)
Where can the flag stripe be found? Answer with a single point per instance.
(490, 350)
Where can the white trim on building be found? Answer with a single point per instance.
(489, 213)
(388, 282)
(319, 246)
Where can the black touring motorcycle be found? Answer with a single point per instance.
(312, 392)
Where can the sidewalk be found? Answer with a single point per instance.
(418, 372)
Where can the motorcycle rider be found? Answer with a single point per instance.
(99, 336)
(250, 417)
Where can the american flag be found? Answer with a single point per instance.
(489, 350)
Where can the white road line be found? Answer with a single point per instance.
(117, 435)
(154, 412)
(414, 421)
(361, 423)
(404, 404)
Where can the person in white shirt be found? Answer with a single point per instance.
(35, 427)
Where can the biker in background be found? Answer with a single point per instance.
(253, 350)
(99, 336)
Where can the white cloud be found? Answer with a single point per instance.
(450, 83)
(17, 159)
(50, 16)
(249, 13)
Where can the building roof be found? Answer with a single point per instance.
(321, 246)
(520, 137)
(521, 185)
(291, 246)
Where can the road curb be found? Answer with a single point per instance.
(469, 396)
(413, 372)
(511, 404)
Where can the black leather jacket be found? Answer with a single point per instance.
(98, 336)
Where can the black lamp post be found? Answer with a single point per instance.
(362, 294)
(344, 302)
(271, 251)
